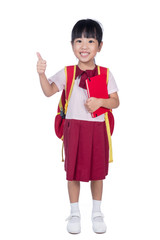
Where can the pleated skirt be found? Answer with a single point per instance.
(86, 150)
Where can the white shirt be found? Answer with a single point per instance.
(76, 108)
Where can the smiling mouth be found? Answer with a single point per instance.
(84, 54)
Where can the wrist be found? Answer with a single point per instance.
(100, 102)
(41, 74)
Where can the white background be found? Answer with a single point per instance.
(33, 191)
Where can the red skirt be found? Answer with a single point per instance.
(86, 150)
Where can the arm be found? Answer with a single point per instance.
(48, 89)
(111, 103)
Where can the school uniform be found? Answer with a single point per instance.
(85, 138)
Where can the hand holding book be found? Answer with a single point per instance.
(92, 104)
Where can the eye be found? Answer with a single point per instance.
(91, 41)
(78, 41)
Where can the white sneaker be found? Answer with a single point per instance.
(74, 225)
(98, 223)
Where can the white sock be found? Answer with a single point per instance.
(96, 206)
(74, 207)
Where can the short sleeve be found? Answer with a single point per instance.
(59, 79)
(112, 86)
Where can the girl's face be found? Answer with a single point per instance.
(85, 49)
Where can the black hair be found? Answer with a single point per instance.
(88, 28)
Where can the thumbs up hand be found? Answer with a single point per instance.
(41, 64)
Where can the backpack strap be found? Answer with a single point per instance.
(70, 73)
(105, 71)
(63, 103)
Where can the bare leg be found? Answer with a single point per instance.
(73, 190)
(96, 189)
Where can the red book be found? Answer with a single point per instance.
(97, 87)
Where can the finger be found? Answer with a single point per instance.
(41, 63)
(39, 56)
(89, 99)
(41, 68)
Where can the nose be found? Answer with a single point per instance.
(84, 44)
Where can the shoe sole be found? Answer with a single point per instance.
(99, 232)
(74, 233)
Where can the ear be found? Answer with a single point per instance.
(100, 46)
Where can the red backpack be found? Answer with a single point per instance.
(70, 72)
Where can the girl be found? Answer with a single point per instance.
(85, 138)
